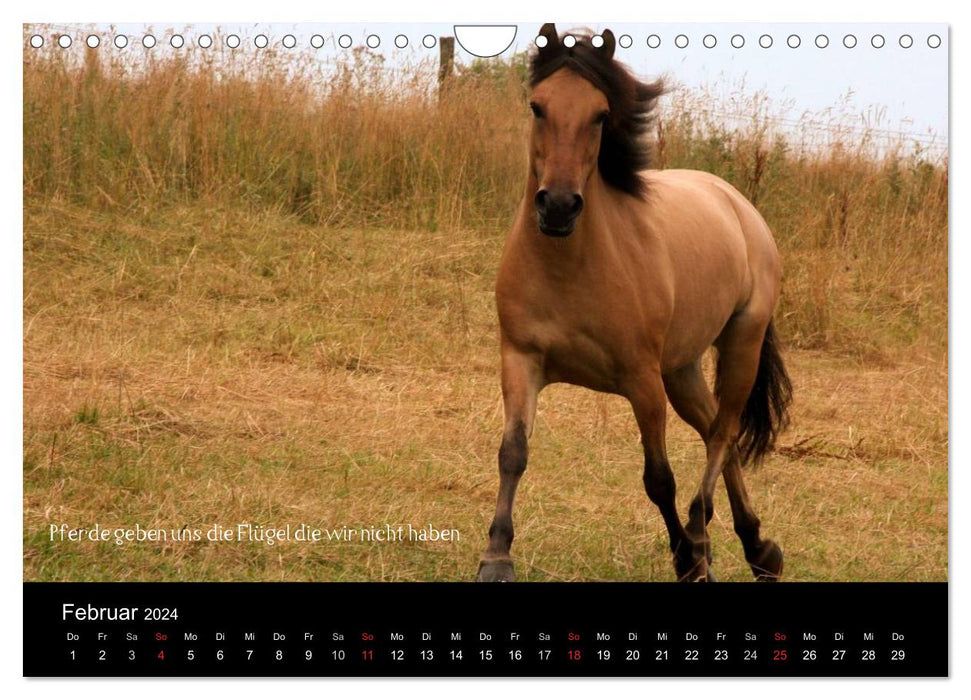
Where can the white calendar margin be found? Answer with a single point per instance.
(11, 412)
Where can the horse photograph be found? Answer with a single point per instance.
(638, 275)
(287, 291)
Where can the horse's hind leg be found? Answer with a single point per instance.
(521, 382)
(694, 402)
(739, 351)
(739, 347)
(764, 556)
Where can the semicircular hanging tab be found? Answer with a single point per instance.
(485, 40)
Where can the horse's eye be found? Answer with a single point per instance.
(537, 110)
(601, 118)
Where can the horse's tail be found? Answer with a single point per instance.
(766, 412)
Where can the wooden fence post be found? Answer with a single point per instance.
(446, 60)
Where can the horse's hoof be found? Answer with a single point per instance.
(702, 576)
(692, 562)
(767, 564)
(496, 570)
(698, 572)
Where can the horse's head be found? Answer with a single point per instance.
(588, 113)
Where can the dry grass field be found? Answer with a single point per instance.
(267, 298)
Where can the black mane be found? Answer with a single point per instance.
(624, 150)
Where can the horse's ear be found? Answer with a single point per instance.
(548, 31)
(610, 43)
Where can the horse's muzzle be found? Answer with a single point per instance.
(557, 211)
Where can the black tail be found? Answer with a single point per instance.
(766, 412)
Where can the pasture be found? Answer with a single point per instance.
(268, 298)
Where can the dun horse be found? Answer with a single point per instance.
(618, 279)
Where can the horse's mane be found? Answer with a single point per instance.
(624, 150)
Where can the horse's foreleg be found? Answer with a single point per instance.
(693, 401)
(521, 382)
(648, 401)
(702, 509)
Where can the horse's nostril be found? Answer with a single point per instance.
(542, 199)
(577, 205)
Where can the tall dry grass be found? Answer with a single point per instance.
(863, 227)
(346, 145)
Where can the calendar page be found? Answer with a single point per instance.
(329, 329)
